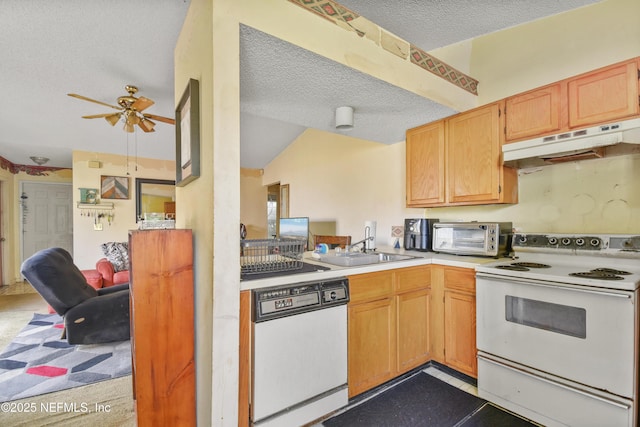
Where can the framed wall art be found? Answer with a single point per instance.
(188, 135)
(114, 187)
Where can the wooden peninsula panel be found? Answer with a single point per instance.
(162, 338)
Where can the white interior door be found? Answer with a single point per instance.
(47, 219)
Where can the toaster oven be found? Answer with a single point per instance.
(473, 238)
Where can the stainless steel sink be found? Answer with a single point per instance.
(385, 257)
(352, 259)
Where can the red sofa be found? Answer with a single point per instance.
(109, 276)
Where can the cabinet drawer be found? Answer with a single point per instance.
(370, 286)
(463, 279)
(412, 278)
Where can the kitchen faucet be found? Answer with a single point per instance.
(367, 236)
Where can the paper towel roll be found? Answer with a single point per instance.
(370, 231)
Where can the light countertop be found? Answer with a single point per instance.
(422, 258)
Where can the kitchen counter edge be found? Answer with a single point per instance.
(422, 258)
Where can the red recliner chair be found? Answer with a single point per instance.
(109, 276)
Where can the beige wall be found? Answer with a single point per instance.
(194, 58)
(253, 203)
(12, 215)
(349, 180)
(86, 240)
(548, 50)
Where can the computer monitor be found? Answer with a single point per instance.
(294, 228)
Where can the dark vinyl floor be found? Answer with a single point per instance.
(423, 400)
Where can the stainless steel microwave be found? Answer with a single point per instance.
(473, 238)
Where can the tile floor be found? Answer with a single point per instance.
(458, 383)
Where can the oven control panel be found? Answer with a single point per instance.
(601, 244)
(558, 241)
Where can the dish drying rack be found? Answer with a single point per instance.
(270, 255)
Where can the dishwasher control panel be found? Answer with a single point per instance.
(286, 300)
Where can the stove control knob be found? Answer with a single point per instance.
(580, 241)
(565, 241)
(595, 242)
(553, 241)
(522, 239)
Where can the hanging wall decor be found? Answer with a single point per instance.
(114, 187)
(188, 135)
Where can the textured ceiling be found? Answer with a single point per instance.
(436, 23)
(50, 48)
(269, 66)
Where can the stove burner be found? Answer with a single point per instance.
(594, 274)
(611, 271)
(512, 267)
(531, 265)
(522, 266)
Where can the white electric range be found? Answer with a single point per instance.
(557, 329)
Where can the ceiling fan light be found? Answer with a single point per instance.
(147, 125)
(133, 118)
(113, 119)
(128, 127)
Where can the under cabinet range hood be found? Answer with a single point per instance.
(598, 141)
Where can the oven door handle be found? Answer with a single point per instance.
(557, 384)
(626, 295)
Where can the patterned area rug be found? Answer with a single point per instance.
(37, 361)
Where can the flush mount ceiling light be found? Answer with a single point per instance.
(39, 160)
(344, 118)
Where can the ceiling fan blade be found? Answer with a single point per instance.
(98, 116)
(113, 118)
(160, 119)
(84, 98)
(147, 125)
(142, 103)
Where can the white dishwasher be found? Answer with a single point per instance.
(299, 352)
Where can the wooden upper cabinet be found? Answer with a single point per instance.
(473, 156)
(458, 161)
(535, 112)
(597, 97)
(425, 164)
(610, 93)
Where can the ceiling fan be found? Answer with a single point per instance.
(130, 110)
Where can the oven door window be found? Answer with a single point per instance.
(562, 319)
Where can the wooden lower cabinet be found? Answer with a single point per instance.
(460, 332)
(413, 329)
(371, 357)
(388, 325)
(453, 318)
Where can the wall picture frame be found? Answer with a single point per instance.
(188, 135)
(114, 187)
